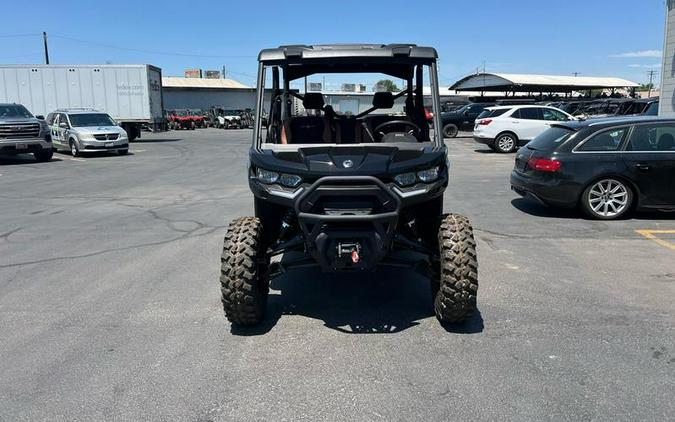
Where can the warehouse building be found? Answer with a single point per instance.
(196, 93)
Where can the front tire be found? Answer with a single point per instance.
(122, 151)
(43, 155)
(450, 131)
(607, 199)
(244, 278)
(455, 277)
(74, 150)
(506, 143)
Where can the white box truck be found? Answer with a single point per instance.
(131, 94)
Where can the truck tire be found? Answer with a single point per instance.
(244, 278)
(450, 131)
(455, 278)
(43, 155)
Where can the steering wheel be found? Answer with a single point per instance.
(415, 130)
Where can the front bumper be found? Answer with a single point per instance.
(23, 146)
(95, 145)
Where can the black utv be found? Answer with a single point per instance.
(347, 187)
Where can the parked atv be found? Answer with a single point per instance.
(348, 193)
(180, 119)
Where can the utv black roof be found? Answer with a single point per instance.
(392, 59)
(336, 51)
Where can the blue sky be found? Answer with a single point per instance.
(621, 38)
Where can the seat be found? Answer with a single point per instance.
(666, 142)
(310, 129)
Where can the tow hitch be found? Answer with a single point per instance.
(352, 250)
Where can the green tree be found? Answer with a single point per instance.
(386, 85)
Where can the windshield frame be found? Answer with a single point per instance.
(258, 143)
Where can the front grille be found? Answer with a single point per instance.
(19, 130)
(106, 136)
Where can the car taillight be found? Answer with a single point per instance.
(544, 164)
(485, 122)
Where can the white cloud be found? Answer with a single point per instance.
(641, 53)
(646, 66)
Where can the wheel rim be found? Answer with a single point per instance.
(449, 131)
(73, 149)
(608, 198)
(506, 143)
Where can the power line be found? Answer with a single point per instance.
(139, 50)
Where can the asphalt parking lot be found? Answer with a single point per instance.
(110, 306)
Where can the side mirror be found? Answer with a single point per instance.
(63, 125)
(40, 117)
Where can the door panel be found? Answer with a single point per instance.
(650, 158)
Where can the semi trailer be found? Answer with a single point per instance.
(130, 94)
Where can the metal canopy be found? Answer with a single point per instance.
(503, 82)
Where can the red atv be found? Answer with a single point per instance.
(180, 119)
(197, 117)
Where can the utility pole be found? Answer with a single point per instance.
(224, 75)
(576, 74)
(651, 74)
(44, 38)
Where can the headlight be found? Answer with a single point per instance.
(267, 176)
(424, 176)
(290, 180)
(86, 137)
(428, 175)
(405, 179)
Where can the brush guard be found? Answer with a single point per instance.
(348, 222)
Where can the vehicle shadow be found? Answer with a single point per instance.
(101, 154)
(23, 159)
(383, 302)
(154, 140)
(536, 209)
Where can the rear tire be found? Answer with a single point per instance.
(455, 278)
(607, 199)
(450, 131)
(43, 155)
(244, 278)
(506, 142)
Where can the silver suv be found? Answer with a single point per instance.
(21, 133)
(86, 130)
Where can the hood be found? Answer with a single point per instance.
(92, 130)
(19, 120)
(364, 160)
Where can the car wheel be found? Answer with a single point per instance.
(122, 151)
(607, 199)
(506, 142)
(450, 130)
(74, 150)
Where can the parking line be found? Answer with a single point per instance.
(651, 235)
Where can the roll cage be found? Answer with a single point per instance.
(291, 63)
